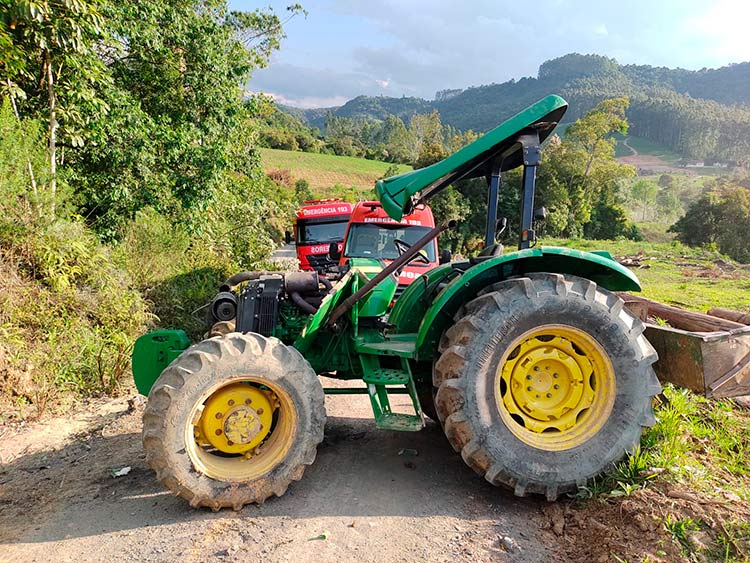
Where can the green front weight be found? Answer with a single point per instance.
(153, 352)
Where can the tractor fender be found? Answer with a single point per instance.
(598, 267)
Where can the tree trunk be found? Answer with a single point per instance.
(681, 318)
(28, 160)
(52, 131)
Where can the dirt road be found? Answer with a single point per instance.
(60, 502)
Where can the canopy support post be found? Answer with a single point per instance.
(489, 237)
(531, 157)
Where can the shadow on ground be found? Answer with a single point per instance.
(70, 492)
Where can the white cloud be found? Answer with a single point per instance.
(306, 102)
(722, 30)
(418, 47)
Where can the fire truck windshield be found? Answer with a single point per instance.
(316, 231)
(375, 240)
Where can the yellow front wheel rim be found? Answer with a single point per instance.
(555, 387)
(241, 430)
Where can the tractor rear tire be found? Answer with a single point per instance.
(544, 382)
(255, 370)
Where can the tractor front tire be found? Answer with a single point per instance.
(233, 420)
(544, 382)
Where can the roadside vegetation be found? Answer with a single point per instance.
(685, 493)
(130, 182)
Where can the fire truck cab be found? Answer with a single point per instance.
(319, 223)
(372, 234)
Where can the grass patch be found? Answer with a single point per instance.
(646, 148)
(324, 171)
(693, 278)
(700, 444)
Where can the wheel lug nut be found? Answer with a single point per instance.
(528, 376)
(536, 368)
(537, 396)
(230, 443)
(549, 395)
(259, 411)
(555, 375)
(219, 415)
(248, 401)
(528, 388)
(218, 431)
(557, 386)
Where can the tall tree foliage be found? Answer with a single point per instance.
(53, 66)
(580, 171)
(721, 217)
(142, 99)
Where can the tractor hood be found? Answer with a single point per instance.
(399, 194)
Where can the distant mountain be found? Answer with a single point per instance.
(700, 114)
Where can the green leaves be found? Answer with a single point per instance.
(720, 216)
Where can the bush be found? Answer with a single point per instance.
(73, 316)
(68, 312)
(282, 177)
(720, 217)
(610, 222)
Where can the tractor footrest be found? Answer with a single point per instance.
(401, 422)
(387, 376)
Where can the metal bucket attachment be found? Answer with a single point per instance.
(715, 364)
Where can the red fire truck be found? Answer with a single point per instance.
(371, 235)
(319, 222)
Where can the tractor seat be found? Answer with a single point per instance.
(487, 253)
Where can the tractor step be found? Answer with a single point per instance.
(402, 347)
(401, 422)
(386, 376)
(380, 381)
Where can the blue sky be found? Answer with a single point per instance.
(416, 47)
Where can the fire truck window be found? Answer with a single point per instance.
(321, 232)
(369, 240)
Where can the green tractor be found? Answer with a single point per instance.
(537, 373)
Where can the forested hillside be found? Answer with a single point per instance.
(701, 114)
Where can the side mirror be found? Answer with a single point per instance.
(288, 237)
(540, 214)
(333, 252)
(445, 256)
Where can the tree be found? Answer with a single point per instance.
(430, 153)
(644, 193)
(580, 169)
(700, 224)
(668, 202)
(608, 222)
(177, 124)
(721, 216)
(425, 129)
(54, 64)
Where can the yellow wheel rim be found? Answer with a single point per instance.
(555, 387)
(241, 430)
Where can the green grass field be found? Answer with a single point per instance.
(324, 171)
(644, 147)
(673, 273)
